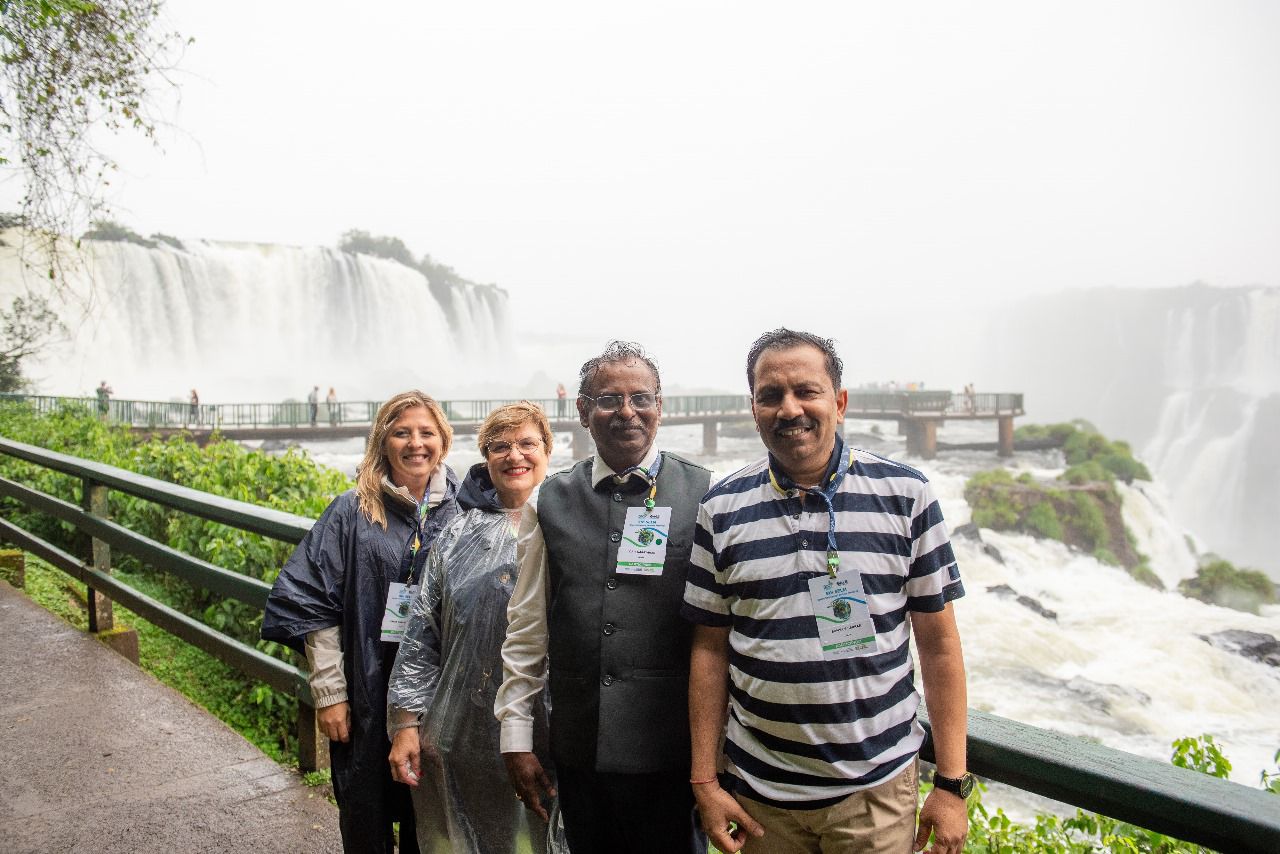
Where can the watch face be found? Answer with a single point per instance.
(962, 786)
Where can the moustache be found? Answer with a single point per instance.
(789, 423)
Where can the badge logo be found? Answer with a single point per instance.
(841, 609)
(645, 537)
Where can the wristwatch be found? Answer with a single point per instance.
(960, 786)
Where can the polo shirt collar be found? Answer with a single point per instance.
(786, 484)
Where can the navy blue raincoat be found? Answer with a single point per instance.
(339, 575)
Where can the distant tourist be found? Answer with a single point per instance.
(970, 399)
(313, 404)
(104, 393)
(331, 404)
(343, 599)
(561, 395)
(195, 407)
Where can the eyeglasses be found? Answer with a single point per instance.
(641, 401)
(501, 449)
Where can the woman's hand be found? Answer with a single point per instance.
(405, 757)
(335, 721)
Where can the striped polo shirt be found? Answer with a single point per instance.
(803, 732)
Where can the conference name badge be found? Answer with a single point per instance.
(643, 548)
(396, 615)
(845, 629)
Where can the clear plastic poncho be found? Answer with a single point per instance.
(447, 674)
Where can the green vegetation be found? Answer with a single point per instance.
(1091, 457)
(441, 278)
(289, 482)
(1087, 833)
(1220, 583)
(110, 231)
(1083, 510)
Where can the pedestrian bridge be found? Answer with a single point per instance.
(88, 762)
(919, 414)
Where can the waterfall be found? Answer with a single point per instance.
(1190, 376)
(259, 322)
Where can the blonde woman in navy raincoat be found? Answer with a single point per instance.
(336, 592)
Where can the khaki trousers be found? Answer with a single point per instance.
(879, 820)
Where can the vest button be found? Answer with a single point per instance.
(608, 628)
(606, 681)
(615, 536)
(612, 584)
(617, 496)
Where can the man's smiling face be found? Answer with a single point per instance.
(797, 410)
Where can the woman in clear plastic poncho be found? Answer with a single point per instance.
(331, 600)
(446, 675)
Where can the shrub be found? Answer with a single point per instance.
(1042, 519)
(113, 232)
(1220, 583)
(1089, 524)
(1144, 574)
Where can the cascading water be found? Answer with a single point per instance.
(1190, 376)
(250, 322)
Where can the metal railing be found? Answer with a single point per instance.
(94, 570)
(291, 413)
(1175, 801)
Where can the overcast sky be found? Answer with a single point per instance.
(703, 171)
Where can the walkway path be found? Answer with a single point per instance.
(99, 756)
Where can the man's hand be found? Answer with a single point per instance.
(406, 757)
(335, 721)
(530, 781)
(718, 808)
(946, 817)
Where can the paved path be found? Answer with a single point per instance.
(97, 756)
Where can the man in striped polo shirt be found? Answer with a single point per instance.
(811, 569)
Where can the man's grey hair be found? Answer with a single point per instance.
(782, 339)
(616, 351)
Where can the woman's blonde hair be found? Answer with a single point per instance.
(509, 417)
(374, 467)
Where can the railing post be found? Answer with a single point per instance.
(581, 444)
(1005, 436)
(101, 616)
(313, 746)
(709, 436)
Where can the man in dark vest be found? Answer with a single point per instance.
(604, 551)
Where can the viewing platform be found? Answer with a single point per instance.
(919, 414)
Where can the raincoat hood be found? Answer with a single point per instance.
(478, 492)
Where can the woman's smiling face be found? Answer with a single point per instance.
(413, 448)
(517, 470)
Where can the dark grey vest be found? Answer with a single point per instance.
(618, 649)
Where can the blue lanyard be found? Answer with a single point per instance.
(827, 494)
(652, 475)
(415, 539)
